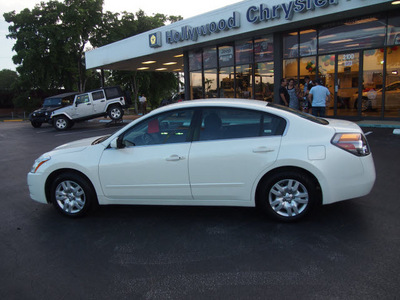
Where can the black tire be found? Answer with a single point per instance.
(36, 124)
(288, 195)
(115, 112)
(62, 123)
(72, 195)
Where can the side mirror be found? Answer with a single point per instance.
(117, 143)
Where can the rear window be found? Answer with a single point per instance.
(113, 92)
(300, 114)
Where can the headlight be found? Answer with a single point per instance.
(39, 162)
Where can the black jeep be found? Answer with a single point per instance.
(42, 115)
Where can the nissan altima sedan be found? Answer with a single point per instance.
(216, 152)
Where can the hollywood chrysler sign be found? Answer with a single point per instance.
(254, 14)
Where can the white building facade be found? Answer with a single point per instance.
(243, 50)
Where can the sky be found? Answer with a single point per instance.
(184, 8)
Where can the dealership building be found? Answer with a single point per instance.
(243, 50)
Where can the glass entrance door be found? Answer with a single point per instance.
(348, 70)
(326, 72)
(354, 80)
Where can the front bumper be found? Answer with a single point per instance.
(36, 185)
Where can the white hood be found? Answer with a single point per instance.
(78, 144)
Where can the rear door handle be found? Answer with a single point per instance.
(263, 150)
(174, 157)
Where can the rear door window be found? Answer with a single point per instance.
(233, 123)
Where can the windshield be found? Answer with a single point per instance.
(52, 102)
(300, 114)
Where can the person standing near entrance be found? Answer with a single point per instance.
(293, 95)
(283, 93)
(143, 104)
(319, 96)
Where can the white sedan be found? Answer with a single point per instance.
(211, 152)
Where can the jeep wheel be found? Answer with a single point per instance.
(115, 112)
(61, 123)
(36, 124)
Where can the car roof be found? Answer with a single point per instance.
(225, 102)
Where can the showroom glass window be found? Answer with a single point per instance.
(392, 89)
(167, 128)
(352, 34)
(244, 69)
(264, 68)
(300, 49)
(210, 72)
(226, 61)
(195, 68)
(231, 123)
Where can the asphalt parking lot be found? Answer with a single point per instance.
(348, 250)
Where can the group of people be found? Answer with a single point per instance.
(314, 96)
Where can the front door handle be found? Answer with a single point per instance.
(174, 158)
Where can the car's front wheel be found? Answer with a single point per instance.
(72, 195)
(288, 195)
(62, 123)
(36, 124)
(115, 112)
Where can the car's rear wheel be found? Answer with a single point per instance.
(115, 112)
(62, 123)
(72, 195)
(288, 195)
(36, 124)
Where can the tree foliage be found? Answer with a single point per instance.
(50, 41)
(118, 26)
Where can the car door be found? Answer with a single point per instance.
(99, 102)
(228, 158)
(83, 106)
(154, 163)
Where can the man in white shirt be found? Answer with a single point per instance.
(143, 104)
(319, 96)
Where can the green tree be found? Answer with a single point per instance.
(51, 40)
(8, 79)
(117, 26)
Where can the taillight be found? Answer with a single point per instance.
(355, 143)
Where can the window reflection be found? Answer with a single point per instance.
(244, 52)
(244, 83)
(226, 77)
(392, 90)
(210, 83)
(264, 81)
(196, 86)
(263, 49)
(353, 34)
(393, 37)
